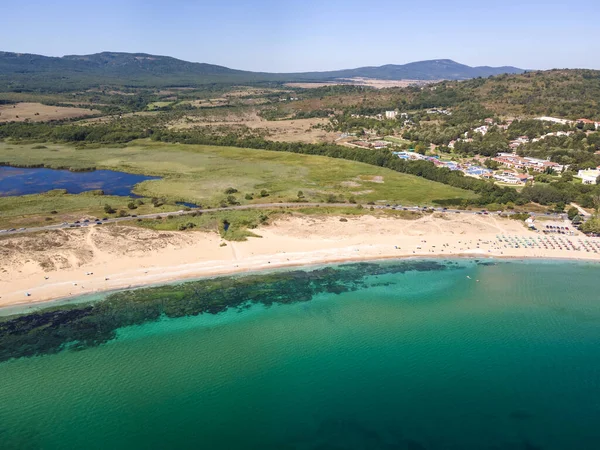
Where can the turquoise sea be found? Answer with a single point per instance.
(389, 355)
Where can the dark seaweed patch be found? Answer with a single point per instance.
(82, 326)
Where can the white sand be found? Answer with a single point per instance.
(61, 264)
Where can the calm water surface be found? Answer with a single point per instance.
(414, 360)
(17, 181)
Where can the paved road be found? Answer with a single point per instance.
(262, 206)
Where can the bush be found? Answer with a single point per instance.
(131, 205)
(108, 209)
(264, 193)
(122, 213)
(230, 190)
(248, 197)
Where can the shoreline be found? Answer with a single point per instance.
(81, 298)
(97, 261)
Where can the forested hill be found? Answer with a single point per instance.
(568, 93)
(28, 72)
(437, 69)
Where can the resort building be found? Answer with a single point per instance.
(589, 176)
(518, 162)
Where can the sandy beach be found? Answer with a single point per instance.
(68, 263)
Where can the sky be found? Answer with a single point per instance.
(290, 36)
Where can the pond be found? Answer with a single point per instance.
(17, 181)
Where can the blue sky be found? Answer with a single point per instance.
(285, 36)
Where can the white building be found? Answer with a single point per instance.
(554, 119)
(390, 114)
(588, 176)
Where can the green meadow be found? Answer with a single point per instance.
(216, 176)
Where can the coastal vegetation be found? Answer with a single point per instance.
(237, 225)
(57, 206)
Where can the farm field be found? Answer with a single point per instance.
(37, 112)
(294, 130)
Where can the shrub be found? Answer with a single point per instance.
(108, 209)
(131, 205)
(122, 213)
(264, 193)
(230, 190)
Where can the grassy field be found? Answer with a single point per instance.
(203, 174)
(198, 173)
(53, 208)
(396, 140)
(36, 112)
(154, 105)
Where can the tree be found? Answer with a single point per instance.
(108, 209)
(230, 190)
(572, 212)
(591, 226)
(577, 219)
(300, 194)
(131, 205)
(264, 193)
(560, 207)
(491, 164)
(567, 176)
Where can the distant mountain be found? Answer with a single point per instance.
(20, 71)
(436, 69)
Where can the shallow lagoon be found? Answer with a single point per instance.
(23, 181)
(396, 356)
